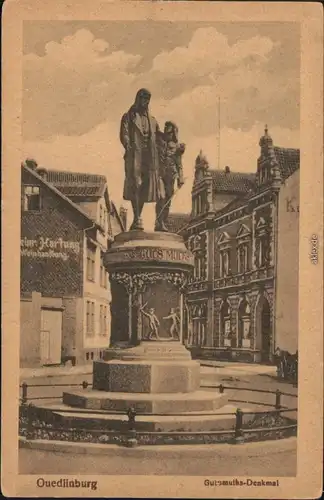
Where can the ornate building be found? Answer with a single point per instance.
(233, 233)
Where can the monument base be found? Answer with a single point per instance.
(151, 367)
(166, 404)
(219, 419)
(150, 384)
(159, 380)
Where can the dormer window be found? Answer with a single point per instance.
(31, 199)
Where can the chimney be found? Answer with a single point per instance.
(31, 163)
(123, 216)
(227, 170)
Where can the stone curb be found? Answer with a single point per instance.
(256, 449)
(27, 373)
(228, 370)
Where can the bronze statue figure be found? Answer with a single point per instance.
(140, 135)
(170, 170)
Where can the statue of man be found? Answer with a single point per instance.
(140, 136)
(171, 152)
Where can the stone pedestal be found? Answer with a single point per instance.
(154, 368)
(147, 367)
(246, 343)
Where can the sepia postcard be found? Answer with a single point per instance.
(162, 257)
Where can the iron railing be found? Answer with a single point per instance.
(129, 433)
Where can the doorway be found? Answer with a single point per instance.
(51, 337)
(265, 332)
(263, 329)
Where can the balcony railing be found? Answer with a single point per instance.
(248, 277)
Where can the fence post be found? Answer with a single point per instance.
(85, 384)
(278, 400)
(221, 389)
(238, 426)
(29, 433)
(131, 440)
(24, 387)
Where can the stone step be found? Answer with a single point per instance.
(221, 419)
(197, 401)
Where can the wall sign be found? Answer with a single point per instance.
(48, 248)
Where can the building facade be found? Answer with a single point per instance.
(67, 225)
(241, 302)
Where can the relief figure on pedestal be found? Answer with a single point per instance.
(175, 324)
(140, 136)
(153, 322)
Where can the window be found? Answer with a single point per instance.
(103, 273)
(90, 318)
(242, 258)
(103, 320)
(91, 261)
(31, 200)
(224, 263)
(199, 323)
(262, 245)
(199, 266)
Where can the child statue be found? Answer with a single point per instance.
(171, 152)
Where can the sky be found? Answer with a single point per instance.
(80, 77)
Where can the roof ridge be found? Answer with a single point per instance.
(287, 149)
(59, 193)
(68, 176)
(221, 171)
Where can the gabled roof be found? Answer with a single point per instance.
(77, 184)
(288, 161)
(232, 182)
(50, 186)
(233, 205)
(177, 221)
